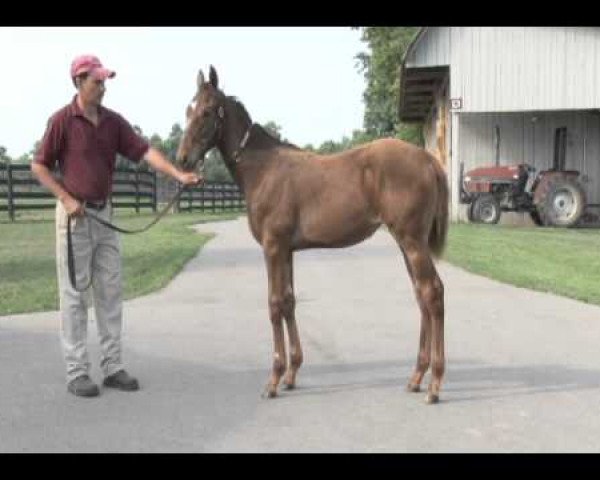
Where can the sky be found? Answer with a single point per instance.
(305, 79)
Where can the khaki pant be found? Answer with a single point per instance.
(96, 251)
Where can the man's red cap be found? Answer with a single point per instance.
(91, 64)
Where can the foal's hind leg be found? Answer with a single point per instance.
(424, 355)
(275, 258)
(290, 318)
(430, 296)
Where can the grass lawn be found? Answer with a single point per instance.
(150, 259)
(561, 261)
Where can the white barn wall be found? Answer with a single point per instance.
(506, 76)
(503, 69)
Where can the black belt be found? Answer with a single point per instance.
(95, 205)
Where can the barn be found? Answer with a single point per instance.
(504, 96)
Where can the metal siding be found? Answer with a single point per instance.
(517, 68)
(432, 50)
(529, 71)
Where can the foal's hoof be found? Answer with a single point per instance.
(413, 388)
(289, 386)
(269, 392)
(432, 398)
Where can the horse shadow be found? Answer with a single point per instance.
(466, 380)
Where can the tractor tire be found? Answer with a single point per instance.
(562, 203)
(485, 209)
(470, 212)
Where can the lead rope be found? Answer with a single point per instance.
(70, 256)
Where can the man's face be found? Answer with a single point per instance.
(92, 90)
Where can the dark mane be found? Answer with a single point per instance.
(261, 137)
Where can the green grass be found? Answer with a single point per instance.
(561, 261)
(150, 259)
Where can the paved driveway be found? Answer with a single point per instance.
(523, 368)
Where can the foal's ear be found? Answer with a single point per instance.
(213, 78)
(200, 79)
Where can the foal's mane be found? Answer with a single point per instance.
(261, 137)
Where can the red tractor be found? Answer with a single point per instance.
(552, 197)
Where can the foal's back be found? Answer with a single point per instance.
(340, 199)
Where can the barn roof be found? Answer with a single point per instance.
(418, 85)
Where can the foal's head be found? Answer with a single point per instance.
(204, 123)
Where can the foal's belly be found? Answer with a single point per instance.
(334, 226)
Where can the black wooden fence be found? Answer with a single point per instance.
(136, 188)
(213, 197)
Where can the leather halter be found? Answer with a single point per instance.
(238, 152)
(219, 127)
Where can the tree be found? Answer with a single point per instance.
(157, 143)
(215, 169)
(171, 143)
(381, 67)
(3, 156)
(273, 128)
(214, 166)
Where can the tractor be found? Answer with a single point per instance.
(552, 197)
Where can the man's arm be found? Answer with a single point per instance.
(45, 158)
(44, 176)
(158, 161)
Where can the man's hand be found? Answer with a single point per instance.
(159, 162)
(189, 178)
(73, 207)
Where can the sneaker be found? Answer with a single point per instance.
(121, 380)
(83, 386)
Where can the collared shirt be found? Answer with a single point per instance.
(87, 153)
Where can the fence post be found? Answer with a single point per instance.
(137, 188)
(178, 204)
(214, 198)
(154, 194)
(202, 198)
(11, 206)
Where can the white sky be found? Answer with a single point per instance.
(305, 79)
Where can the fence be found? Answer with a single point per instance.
(212, 197)
(135, 188)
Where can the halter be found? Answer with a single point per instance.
(238, 152)
(219, 127)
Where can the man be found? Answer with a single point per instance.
(84, 137)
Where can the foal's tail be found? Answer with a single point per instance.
(439, 228)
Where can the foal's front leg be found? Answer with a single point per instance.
(275, 259)
(290, 319)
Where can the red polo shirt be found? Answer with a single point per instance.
(87, 153)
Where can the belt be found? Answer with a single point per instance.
(95, 205)
(101, 205)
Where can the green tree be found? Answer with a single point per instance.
(273, 128)
(3, 155)
(214, 166)
(171, 143)
(27, 157)
(215, 169)
(23, 159)
(381, 68)
(157, 143)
